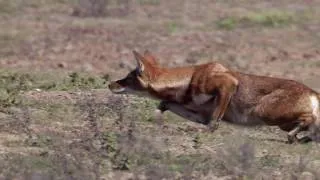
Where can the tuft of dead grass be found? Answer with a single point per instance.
(102, 8)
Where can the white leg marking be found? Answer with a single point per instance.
(315, 108)
(315, 105)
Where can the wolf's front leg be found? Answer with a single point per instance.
(181, 111)
(225, 85)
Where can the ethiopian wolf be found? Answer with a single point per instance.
(210, 92)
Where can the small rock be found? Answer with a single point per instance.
(122, 65)
(277, 175)
(264, 151)
(62, 65)
(307, 176)
(87, 67)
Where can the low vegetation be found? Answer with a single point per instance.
(14, 83)
(269, 18)
(89, 137)
(62, 123)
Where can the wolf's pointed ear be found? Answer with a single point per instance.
(150, 57)
(139, 59)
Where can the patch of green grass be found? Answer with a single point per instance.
(9, 7)
(52, 81)
(82, 81)
(227, 23)
(13, 83)
(144, 109)
(41, 141)
(173, 27)
(269, 161)
(149, 2)
(15, 164)
(270, 18)
(10, 86)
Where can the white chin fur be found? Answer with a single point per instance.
(121, 90)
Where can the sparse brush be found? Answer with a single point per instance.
(197, 141)
(93, 8)
(100, 8)
(238, 159)
(271, 18)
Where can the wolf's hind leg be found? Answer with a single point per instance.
(305, 121)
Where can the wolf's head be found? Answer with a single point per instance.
(137, 81)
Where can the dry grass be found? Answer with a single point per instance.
(96, 135)
(53, 53)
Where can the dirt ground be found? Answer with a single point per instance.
(59, 120)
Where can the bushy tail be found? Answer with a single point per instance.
(318, 106)
(315, 129)
(318, 113)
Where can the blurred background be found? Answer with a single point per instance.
(59, 121)
(278, 38)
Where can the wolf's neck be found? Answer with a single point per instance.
(171, 85)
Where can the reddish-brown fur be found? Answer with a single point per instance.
(210, 92)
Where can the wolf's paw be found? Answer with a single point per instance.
(163, 106)
(213, 126)
(292, 139)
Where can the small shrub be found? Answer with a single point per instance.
(101, 8)
(227, 23)
(238, 159)
(80, 81)
(149, 2)
(173, 27)
(11, 85)
(95, 8)
(269, 18)
(197, 141)
(269, 161)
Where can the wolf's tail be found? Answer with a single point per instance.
(317, 111)
(314, 128)
(318, 95)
